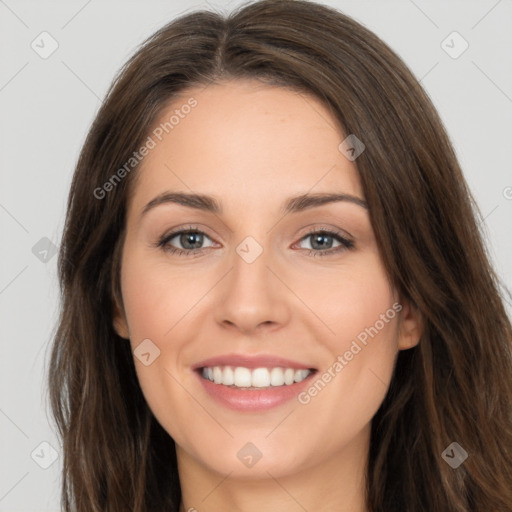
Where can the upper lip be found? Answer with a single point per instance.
(251, 361)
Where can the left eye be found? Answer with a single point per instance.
(192, 239)
(319, 237)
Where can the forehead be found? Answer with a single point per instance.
(246, 142)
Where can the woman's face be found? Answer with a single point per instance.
(258, 293)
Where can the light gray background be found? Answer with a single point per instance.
(47, 106)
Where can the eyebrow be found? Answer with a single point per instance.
(292, 205)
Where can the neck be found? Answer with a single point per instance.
(338, 483)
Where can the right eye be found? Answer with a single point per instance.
(186, 238)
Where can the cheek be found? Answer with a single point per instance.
(350, 300)
(370, 330)
(361, 311)
(156, 296)
(159, 302)
(347, 392)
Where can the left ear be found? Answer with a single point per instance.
(120, 324)
(119, 320)
(410, 326)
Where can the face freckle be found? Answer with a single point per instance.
(258, 286)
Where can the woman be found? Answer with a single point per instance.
(244, 372)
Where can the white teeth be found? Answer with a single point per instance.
(228, 377)
(300, 375)
(258, 377)
(276, 377)
(217, 375)
(289, 374)
(242, 377)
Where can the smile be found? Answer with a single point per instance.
(255, 378)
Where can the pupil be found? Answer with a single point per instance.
(321, 237)
(189, 237)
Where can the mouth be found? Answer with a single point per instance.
(252, 383)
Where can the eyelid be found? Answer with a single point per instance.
(314, 227)
(308, 230)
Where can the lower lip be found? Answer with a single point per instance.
(253, 399)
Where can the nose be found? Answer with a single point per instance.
(253, 296)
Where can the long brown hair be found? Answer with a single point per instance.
(455, 386)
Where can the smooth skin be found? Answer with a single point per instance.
(252, 146)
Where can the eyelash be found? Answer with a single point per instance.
(345, 243)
